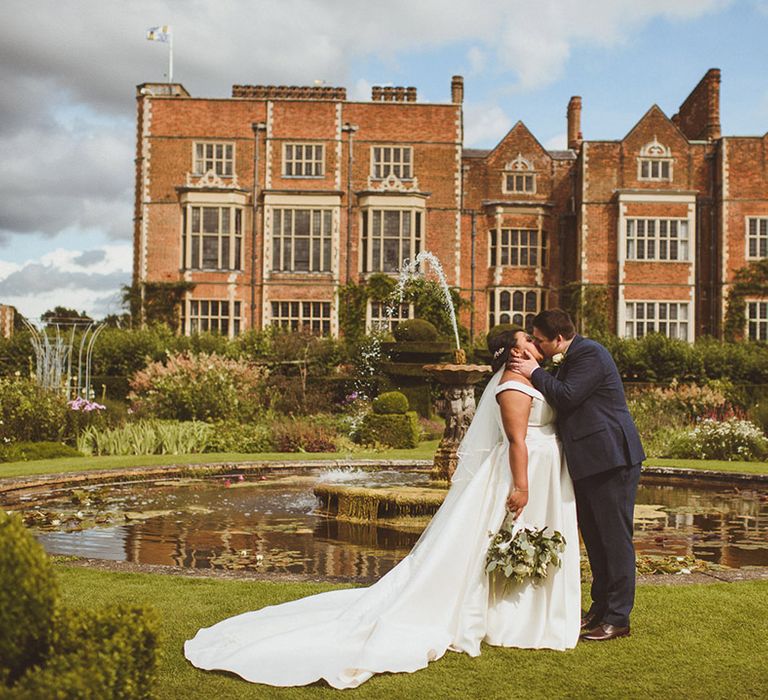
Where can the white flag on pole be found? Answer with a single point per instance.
(160, 33)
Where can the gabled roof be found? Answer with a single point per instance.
(655, 109)
(517, 127)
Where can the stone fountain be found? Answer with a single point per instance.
(457, 379)
(412, 507)
(456, 406)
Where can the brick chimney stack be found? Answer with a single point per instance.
(574, 123)
(387, 93)
(457, 89)
(699, 116)
(713, 103)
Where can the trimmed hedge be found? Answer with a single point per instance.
(415, 329)
(394, 430)
(390, 402)
(48, 651)
(29, 451)
(96, 655)
(28, 595)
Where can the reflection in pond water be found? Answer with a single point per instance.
(726, 525)
(269, 524)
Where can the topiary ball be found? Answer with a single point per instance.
(390, 402)
(28, 596)
(415, 329)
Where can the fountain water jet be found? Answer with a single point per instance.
(457, 404)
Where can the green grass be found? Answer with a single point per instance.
(697, 641)
(426, 450)
(711, 464)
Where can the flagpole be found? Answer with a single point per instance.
(170, 57)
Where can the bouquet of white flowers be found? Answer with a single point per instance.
(519, 551)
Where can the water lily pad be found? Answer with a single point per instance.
(649, 512)
(202, 510)
(146, 515)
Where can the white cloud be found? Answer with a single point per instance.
(477, 59)
(361, 90)
(68, 70)
(87, 281)
(484, 125)
(558, 142)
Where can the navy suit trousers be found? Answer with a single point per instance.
(605, 508)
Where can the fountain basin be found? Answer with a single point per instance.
(269, 522)
(457, 375)
(372, 505)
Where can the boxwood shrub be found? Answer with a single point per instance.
(50, 651)
(398, 430)
(415, 329)
(390, 402)
(28, 595)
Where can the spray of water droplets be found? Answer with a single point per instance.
(410, 269)
(369, 358)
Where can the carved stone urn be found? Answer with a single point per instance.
(456, 406)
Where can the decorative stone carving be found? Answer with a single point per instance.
(457, 406)
(392, 183)
(210, 180)
(519, 163)
(654, 149)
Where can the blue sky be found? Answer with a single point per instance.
(69, 70)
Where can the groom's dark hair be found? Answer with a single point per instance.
(554, 322)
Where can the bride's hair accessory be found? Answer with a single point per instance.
(499, 352)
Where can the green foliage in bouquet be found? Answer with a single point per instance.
(524, 553)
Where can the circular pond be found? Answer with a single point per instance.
(272, 523)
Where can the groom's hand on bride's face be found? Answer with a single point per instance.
(524, 364)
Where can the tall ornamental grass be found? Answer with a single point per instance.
(146, 437)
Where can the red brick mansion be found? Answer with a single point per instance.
(271, 199)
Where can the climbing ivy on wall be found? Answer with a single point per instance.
(590, 305)
(162, 302)
(749, 281)
(425, 295)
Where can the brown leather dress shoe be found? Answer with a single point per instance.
(589, 621)
(605, 632)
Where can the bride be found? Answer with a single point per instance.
(438, 597)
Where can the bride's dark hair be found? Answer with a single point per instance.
(500, 345)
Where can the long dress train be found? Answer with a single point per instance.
(437, 598)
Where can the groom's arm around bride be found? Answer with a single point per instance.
(603, 452)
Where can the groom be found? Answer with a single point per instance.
(603, 451)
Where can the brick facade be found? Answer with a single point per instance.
(270, 200)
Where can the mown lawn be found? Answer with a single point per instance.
(695, 641)
(425, 450)
(711, 464)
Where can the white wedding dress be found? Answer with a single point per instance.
(438, 597)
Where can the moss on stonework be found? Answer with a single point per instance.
(369, 505)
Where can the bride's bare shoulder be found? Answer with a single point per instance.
(510, 376)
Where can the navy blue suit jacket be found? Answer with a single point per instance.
(594, 423)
